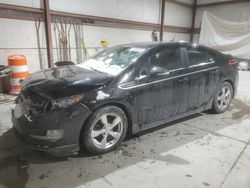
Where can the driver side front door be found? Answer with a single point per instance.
(162, 96)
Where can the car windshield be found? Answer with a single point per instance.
(113, 60)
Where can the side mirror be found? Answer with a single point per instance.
(156, 70)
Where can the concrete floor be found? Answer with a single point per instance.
(204, 150)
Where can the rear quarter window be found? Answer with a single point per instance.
(200, 56)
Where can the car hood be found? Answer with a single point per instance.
(65, 81)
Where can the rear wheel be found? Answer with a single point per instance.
(223, 98)
(105, 130)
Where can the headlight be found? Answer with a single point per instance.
(66, 102)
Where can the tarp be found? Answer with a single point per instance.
(225, 36)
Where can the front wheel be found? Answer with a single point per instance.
(105, 130)
(223, 98)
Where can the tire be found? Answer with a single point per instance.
(108, 123)
(221, 102)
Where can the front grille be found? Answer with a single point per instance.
(33, 102)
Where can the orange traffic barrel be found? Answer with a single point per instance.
(18, 65)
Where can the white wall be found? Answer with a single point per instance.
(136, 10)
(28, 3)
(236, 12)
(19, 37)
(94, 35)
(178, 15)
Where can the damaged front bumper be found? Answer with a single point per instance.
(55, 132)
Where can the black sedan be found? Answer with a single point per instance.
(122, 90)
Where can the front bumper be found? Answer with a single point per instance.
(70, 120)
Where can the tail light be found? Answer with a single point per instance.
(232, 62)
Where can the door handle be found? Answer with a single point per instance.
(183, 79)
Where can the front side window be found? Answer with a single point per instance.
(199, 56)
(168, 59)
(113, 60)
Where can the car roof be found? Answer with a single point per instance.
(154, 44)
(159, 43)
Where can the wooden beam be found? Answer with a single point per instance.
(221, 3)
(162, 19)
(194, 8)
(47, 23)
(197, 30)
(176, 29)
(16, 17)
(20, 8)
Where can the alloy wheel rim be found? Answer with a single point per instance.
(224, 98)
(107, 131)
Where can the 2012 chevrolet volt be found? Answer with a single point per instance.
(122, 90)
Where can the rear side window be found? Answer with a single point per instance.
(199, 56)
